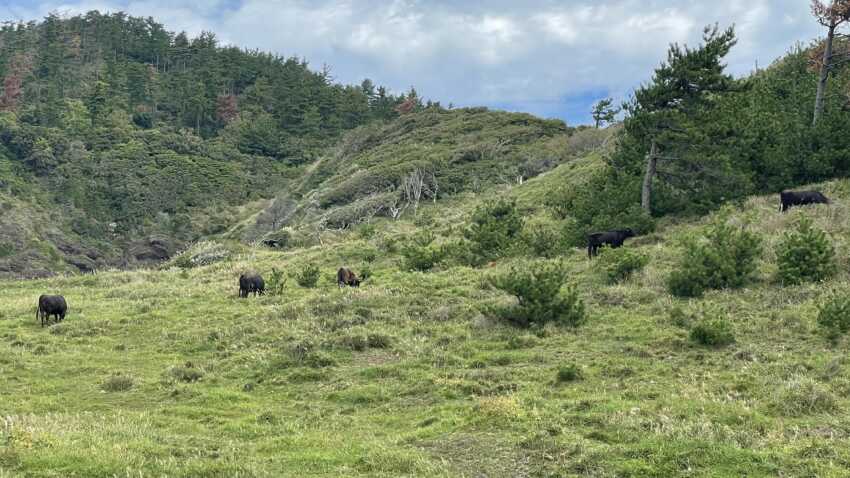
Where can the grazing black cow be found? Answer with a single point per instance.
(251, 283)
(48, 305)
(787, 199)
(345, 277)
(614, 239)
(272, 243)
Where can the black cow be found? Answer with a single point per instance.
(251, 283)
(787, 199)
(612, 238)
(51, 305)
(274, 244)
(345, 277)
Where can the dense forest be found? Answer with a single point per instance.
(129, 129)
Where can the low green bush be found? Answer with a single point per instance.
(276, 283)
(493, 230)
(726, 257)
(543, 240)
(118, 383)
(620, 263)
(834, 316)
(540, 298)
(420, 254)
(801, 396)
(308, 276)
(569, 373)
(805, 255)
(186, 373)
(713, 333)
(605, 201)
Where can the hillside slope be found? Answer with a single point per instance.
(410, 375)
(126, 141)
(387, 169)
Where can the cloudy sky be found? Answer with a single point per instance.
(550, 58)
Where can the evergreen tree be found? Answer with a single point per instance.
(661, 112)
(97, 102)
(604, 112)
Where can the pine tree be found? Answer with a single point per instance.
(688, 82)
(604, 112)
(97, 102)
(311, 123)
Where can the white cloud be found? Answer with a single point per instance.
(533, 53)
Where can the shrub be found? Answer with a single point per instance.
(308, 276)
(367, 230)
(494, 230)
(605, 201)
(543, 240)
(370, 255)
(805, 254)
(186, 373)
(713, 333)
(803, 396)
(420, 254)
(540, 299)
(569, 373)
(834, 316)
(679, 317)
(724, 258)
(379, 341)
(619, 264)
(117, 383)
(276, 283)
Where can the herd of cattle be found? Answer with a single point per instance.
(252, 283)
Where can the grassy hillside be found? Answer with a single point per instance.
(457, 152)
(166, 372)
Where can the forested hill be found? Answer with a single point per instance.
(117, 135)
(121, 142)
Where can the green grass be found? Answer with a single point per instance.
(167, 372)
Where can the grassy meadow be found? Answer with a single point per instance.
(167, 373)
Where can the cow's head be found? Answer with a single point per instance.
(628, 233)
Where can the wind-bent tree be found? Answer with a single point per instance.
(686, 84)
(831, 15)
(604, 111)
